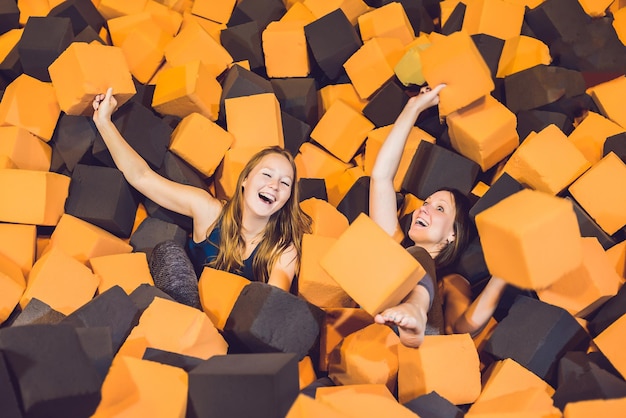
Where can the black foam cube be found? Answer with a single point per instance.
(608, 313)
(96, 342)
(312, 187)
(260, 11)
(88, 35)
(536, 120)
(267, 319)
(385, 105)
(454, 23)
(151, 231)
(298, 97)
(9, 16)
(295, 132)
(73, 138)
(10, 67)
(156, 211)
(37, 312)
(490, 49)
(471, 263)
(178, 170)
(556, 19)
(8, 396)
(418, 16)
(243, 43)
(356, 200)
(502, 188)
(536, 335)
(592, 383)
(43, 40)
(113, 309)
(82, 13)
(332, 39)
(54, 375)
(260, 385)
(615, 144)
(187, 363)
(239, 82)
(433, 405)
(145, 293)
(434, 167)
(573, 107)
(102, 197)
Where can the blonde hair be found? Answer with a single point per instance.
(285, 227)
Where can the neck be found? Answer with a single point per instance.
(252, 227)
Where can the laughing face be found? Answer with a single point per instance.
(268, 185)
(432, 225)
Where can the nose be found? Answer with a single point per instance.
(273, 183)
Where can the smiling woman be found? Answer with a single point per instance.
(257, 233)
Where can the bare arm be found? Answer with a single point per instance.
(186, 200)
(284, 270)
(382, 205)
(476, 316)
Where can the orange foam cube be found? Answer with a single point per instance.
(594, 191)
(345, 91)
(327, 220)
(617, 255)
(582, 291)
(366, 401)
(528, 402)
(12, 286)
(120, 27)
(60, 281)
(285, 49)
(521, 53)
(440, 64)
(306, 407)
(532, 164)
(214, 29)
(599, 407)
(607, 96)
(518, 251)
(339, 184)
(351, 8)
(110, 9)
(595, 8)
(372, 64)
(168, 19)
(78, 75)
(144, 49)
(18, 242)
(590, 134)
(342, 130)
(409, 68)
(298, 12)
(306, 372)
(171, 326)
(25, 150)
(485, 132)
(184, 89)
(218, 292)
(137, 387)
(498, 18)
(446, 364)
(387, 21)
(314, 162)
(611, 344)
(228, 171)
(255, 121)
(619, 23)
(215, 10)
(32, 197)
(379, 256)
(338, 324)
(30, 104)
(127, 270)
(200, 142)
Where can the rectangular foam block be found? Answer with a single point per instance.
(589, 136)
(532, 400)
(610, 341)
(364, 400)
(18, 243)
(227, 173)
(254, 121)
(298, 97)
(520, 53)
(306, 407)
(327, 220)
(360, 278)
(606, 95)
(216, 10)
(285, 49)
(389, 20)
(13, 285)
(493, 17)
(608, 313)
(604, 407)
(144, 49)
(314, 162)
(243, 43)
(219, 290)
(25, 150)
(344, 91)
(386, 104)
(127, 271)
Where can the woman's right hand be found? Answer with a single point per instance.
(104, 105)
(426, 98)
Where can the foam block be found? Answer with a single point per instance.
(285, 49)
(589, 136)
(298, 97)
(262, 12)
(219, 290)
(532, 401)
(36, 312)
(127, 270)
(83, 62)
(254, 121)
(433, 405)
(25, 150)
(114, 8)
(609, 342)
(312, 188)
(82, 14)
(18, 244)
(608, 313)
(227, 173)
(218, 11)
(243, 43)
(313, 162)
(591, 191)
(144, 49)
(187, 363)
(295, 132)
(386, 104)
(590, 228)
(365, 400)
(361, 278)
(497, 18)
(12, 284)
(389, 20)
(516, 252)
(73, 139)
(344, 91)
(616, 144)
(521, 53)
(356, 199)
(339, 185)
(604, 407)
(446, 364)
(408, 70)
(239, 81)
(306, 407)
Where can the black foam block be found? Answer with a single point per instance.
(573, 107)
(536, 335)
(9, 16)
(490, 49)
(556, 19)
(502, 188)
(41, 43)
(37, 312)
(82, 13)
(88, 35)
(575, 363)
(145, 293)
(312, 187)
(239, 82)
(471, 263)
(54, 375)
(96, 342)
(156, 211)
(8, 396)
(267, 319)
(536, 120)
(10, 67)
(73, 138)
(187, 363)
(592, 383)
(332, 39)
(178, 170)
(434, 167)
(243, 43)
(295, 132)
(151, 231)
(260, 11)
(102, 197)
(356, 200)
(454, 22)
(113, 309)
(541, 85)
(589, 227)
(418, 16)
(260, 385)
(433, 405)
(298, 97)
(608, 313)
(617, 145)
(385, 105)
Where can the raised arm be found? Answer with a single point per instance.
(382, 205)
(186, 200)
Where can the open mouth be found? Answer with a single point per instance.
(267, 198)
(421, 222)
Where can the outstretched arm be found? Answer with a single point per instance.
(186, 200)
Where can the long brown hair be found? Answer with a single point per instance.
(461, 226)
(285, 227)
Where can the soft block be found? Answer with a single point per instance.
(389, 20)
(254, 121)
(127, 270)
(610, 342)
(216, 10)
(12, 284)
(314, 162)
(219, 290)
(25, 150)
(603, 407)
(589, 136)
(497, 18)
(18, 242)
(285, 49)
(520, 53)
(364, 400)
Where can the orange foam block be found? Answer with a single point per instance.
(339, 184)
(372, 64)
(171, 326)
(589, 136)
(215, 10)
(187, 88)
(485, 132)
(583, 290)
(8, 41)
(306, 407)
(619, 23)
(298, 12)
(611, 344)
(30, 104)
(168, 19)
(409, 68)
(200, 142)
(32, 8)
(617, 255)
(440, 64)
(285, 49)
(607, 96)
(351, 8)
(375, 140)
(255, 121)
(12, 286)
(127, 271)
(342, 130)
(120, 27)
(528, 402)
(228, 171)
(314, 284)
(18, 242)
(136, 387)
(114, 8)
(193, 43)
(532, 163)
(327, 220)
(369, 355)
(387, 21)
(218, 292)
(363, 401)
(84, 70)
(306, 372)
(595, 407)
(446, 364)
(520, 53)
(83, 240)
(596, 8)
(25, 150)
(60, 281)
(530, 239)
(338, 324)
(214, 29)
(596, 193)
(32, 197)
(378, 256)
(498, 18)
(314, 162)
(331, 93)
